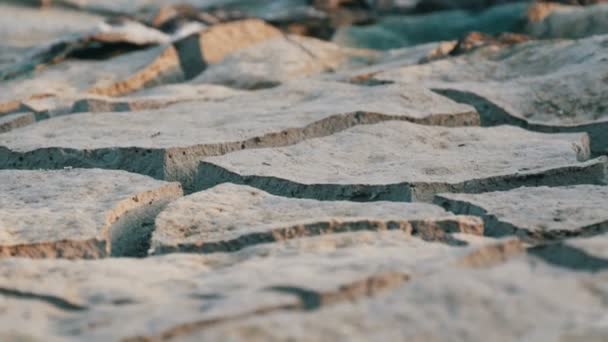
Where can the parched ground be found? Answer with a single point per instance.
(303, 170)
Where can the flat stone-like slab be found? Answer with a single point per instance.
(130, 72)
(169, 143)
(493, 304)
(396, 31)
(552, 20)
(230, 217)
(279, 60)
(91, 300)
(536, 212)
(546, 86)
(402, 161)
(78, 213)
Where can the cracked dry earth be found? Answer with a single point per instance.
(295, 170)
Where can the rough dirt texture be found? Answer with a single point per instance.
(420, 170)
(280, 60)
(390, 161)
(78, 213)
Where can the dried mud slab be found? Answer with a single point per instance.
(259, 8)
(402, 161)
(118, 7)
(169, 143)
(216, 42)
(584, 254)
(93, 299)
(393, 31)
(546, 86)
(552, 20)
(540, 213)
(230, 217)
(151, 98)
(438, 5)
(12, 121)
(495, 304)
(116, 76)
(278, 60)
(78, 213)
(122, 30)
(101, 39)
(132, 72)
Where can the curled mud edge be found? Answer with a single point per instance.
(126, 231)
(495, 227)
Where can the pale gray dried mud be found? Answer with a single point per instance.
(393, 161)
(520, 299)
(169, 143)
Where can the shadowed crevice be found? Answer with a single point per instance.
(55, 301)
(563, 255)
(490, 113)
(309, 299)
